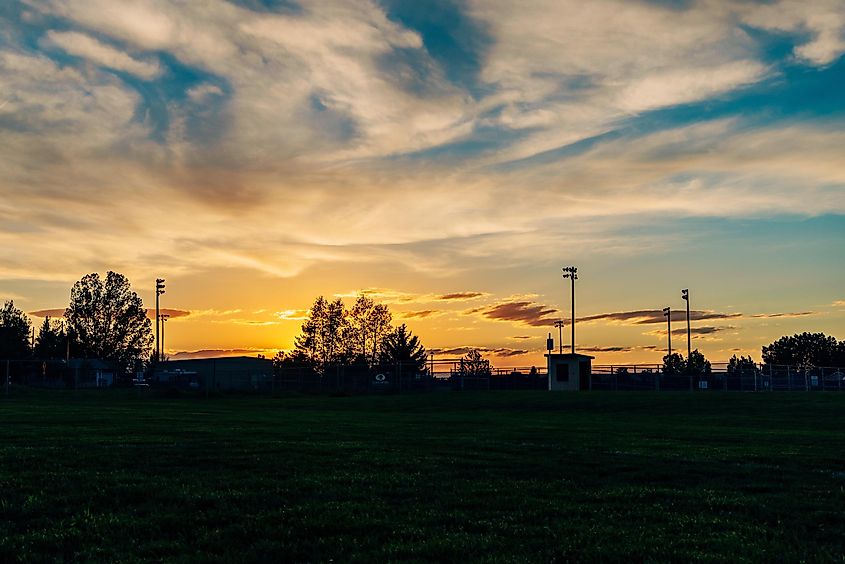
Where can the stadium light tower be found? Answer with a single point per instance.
(559, 325)
(667, 311)
(159, 292)
(685, 296)
(571, 272)
(164, 317)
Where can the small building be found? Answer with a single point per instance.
(236, 373)
(569, 371)
(91, 373)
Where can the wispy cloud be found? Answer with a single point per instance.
(419, 314)
(461, 296)
(785, 314)
(607, 349)
(646, 316)
(218, 353)
(501, 352)
(695, 331)
(292, 314)
(527, 313)
(151, 313)
(87, 47)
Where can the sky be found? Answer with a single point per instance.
(445, 157)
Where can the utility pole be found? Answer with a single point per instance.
(571, 272)
(685, 296)
(159, 291)
(667, 311)
(559, 325)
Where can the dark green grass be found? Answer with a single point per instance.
(488, 476)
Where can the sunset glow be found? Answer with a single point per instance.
(445, 158)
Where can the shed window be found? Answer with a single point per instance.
(562, 373)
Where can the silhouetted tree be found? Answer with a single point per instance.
(321, 339)
(51, 341)
(402, 346)
(474, 365)
(697, 364)
(806, 350)
(107, 320)
(674, 364)
(741, 363)
(369, 322)
(14, 332)
(357, 336)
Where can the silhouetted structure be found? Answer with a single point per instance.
(569, 372)
(240, 373)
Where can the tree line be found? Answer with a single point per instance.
(361, 336)
(106, 320)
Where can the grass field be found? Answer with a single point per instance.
(486, 476)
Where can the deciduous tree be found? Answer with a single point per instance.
(321, 339)
(14, 332)
(107, 320)
(806, 350)
(741, 363)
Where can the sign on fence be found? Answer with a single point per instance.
(381, 380)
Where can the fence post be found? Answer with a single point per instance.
(8, 377)
(788, 379)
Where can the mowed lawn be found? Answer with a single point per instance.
(480, 476)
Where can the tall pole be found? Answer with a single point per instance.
(159, 291)
(164, 317)
(573, 314)
(559, 325)
(667, 311)
(571, 272)
(685, 296)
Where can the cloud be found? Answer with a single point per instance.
(695, 331)
(505, 352)
(418, 314)
(525, 312)
(646, 316)
(292, 314)
(823, 21)
(151, 313)
(461, 296)
(838, 303)
(521, 337)
(608, 349)
(775, 315)
(217, 353)
(201, 94)
(85, 46)
(501, 352)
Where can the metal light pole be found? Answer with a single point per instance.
(559, 325)
(667, 311)
(571, 272)
(164, 317)
(685, 296)
(159, 291)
